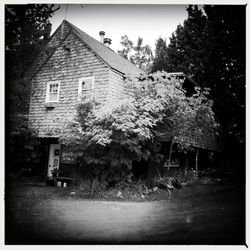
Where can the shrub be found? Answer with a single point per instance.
(167, 183)
(23, 154)
(122, 190)
(112, 136)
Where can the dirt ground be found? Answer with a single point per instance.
(199, 214)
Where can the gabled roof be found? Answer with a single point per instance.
(113, 59)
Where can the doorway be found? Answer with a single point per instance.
(54, 158)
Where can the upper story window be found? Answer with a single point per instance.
(52, 94)
(86, 88)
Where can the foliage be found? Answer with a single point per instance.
(91, 188)
(127, 47)
(27, 28)
(226, 67)
(184, 118)
(210, 48)
(161, 57)
(23, 146)
(55, 171)
(168, 183)
(122, 190)
(139, 55)
(109, 137)
(27, 25)
(112, 136)
(186, 50)
(132, 190)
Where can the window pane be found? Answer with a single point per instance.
(83, 86)
(52, 97)
(86, 89)
(53, 88)
(53, 91)
(87, 84)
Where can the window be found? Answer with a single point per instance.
(86, 88)
(52, 94)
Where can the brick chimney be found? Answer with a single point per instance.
(107, 41)
(101, 34)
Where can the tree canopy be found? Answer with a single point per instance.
(160, 61)
(139, 54)
(225, 66)
(115, 135)
(27, 28)
(210, 48)
(186, 50)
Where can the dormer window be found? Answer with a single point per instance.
(86, 88)
(52, 94)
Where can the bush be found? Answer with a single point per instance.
(23, 148)
(122, 190)
(167, 183)
(91, 188)
(132, 190)
(113, 137)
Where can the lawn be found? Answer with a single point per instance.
(196, 214)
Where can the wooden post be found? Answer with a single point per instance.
(196, 162)
(170, 152)
(158, 171)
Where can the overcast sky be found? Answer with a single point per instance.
(147, 21)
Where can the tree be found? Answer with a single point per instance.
(210, 48)
(27, 28)
(24, 149)
(226, 65)
(139, 55)
(127, 47)
(111, 137)
(186, 51)
(225, 75)
(161, 57)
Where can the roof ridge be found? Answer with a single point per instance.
(106, 53)
(77, 29)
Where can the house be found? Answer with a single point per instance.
(72, 65)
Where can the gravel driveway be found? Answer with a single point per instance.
(40, 215)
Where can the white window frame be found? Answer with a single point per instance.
(81, 80)
(47, 91)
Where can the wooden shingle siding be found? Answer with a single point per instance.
(67, 67)
(55, 40)
(40, 59)
(211, 142)
(116, 86)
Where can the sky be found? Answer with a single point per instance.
(147, 21)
